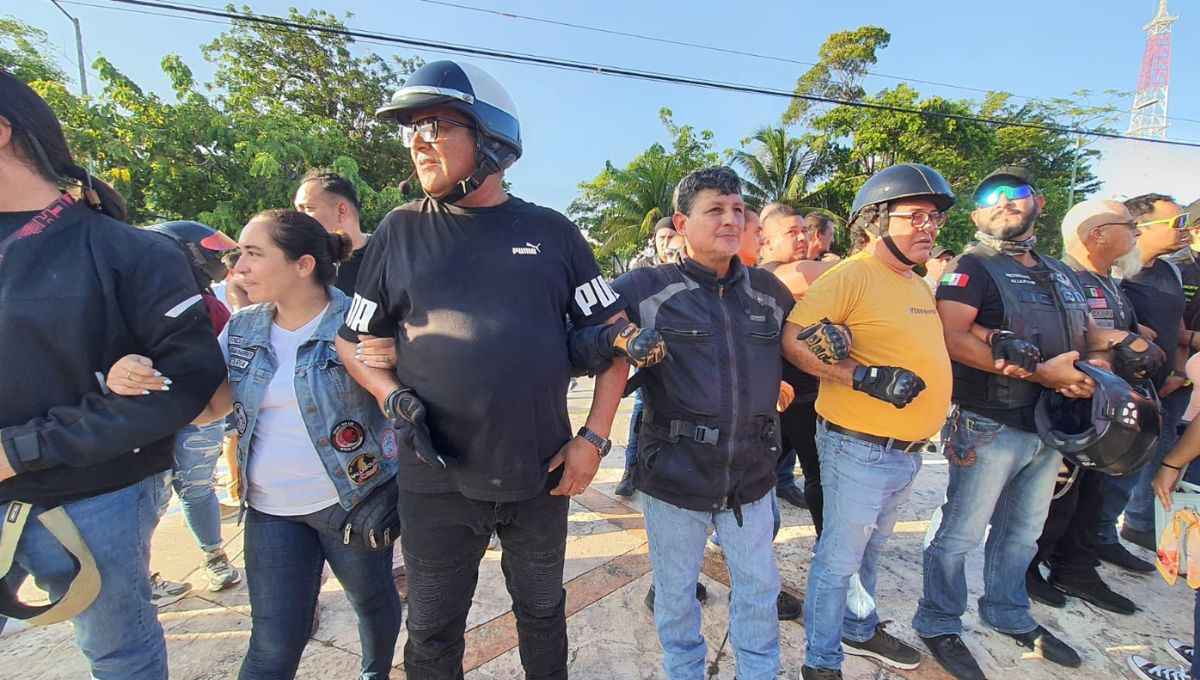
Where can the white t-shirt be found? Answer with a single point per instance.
(1193, 373)
(285, 475)
(220, 291)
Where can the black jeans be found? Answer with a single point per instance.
(284, 560)
(1069, 537)
(799, 425)
(445, 536)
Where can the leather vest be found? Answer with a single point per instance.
(1043, 306)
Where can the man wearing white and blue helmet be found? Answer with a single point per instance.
(476, 286)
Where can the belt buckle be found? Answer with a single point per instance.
(707, 435)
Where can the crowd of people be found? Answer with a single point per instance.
(390, 405)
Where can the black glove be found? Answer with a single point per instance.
(1007, 346)
(407, 412)
(829, 341)
(1136, 357)
(896, 386)
(641, 347)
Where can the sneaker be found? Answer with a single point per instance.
(1041, 591)
(494, 542)
(886, 648)
(1180, 651)
(1118, 555)
(788, 607)
(219, 572)
(1144, 668)
(794, 495)
(1142, 539)
(810, 673)
(625, 486)
(1051, 648)
(701, 595)
(953, 655)
(1098, 593)
(164, 592)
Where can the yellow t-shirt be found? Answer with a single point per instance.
(895, 323)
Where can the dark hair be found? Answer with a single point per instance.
(861, 224)
(38, 136)
(825, 224)
(719, 178)
(333, 183)
(298, 234)
(1140, 206)
(775, 209)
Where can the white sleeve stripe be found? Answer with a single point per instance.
(179, 308)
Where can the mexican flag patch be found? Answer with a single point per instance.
(956, 280)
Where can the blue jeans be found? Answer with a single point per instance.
(119, 633)
(284, 559)
(197, 449)
(676, 539)
(1132, 494)
(1009, 486)
(631, 448)
(865, 485)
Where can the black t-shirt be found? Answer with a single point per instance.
(1108, 305)
(972, 285)
(347, 272)
(1157, 298)
(1190, 272)
(477, 299)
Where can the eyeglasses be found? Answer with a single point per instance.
(427, 129)
(1131, 226)
(922, 220)
(1177, 222)
(992, 197)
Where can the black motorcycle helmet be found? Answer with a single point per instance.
(1115, 432)
(472, 92)
(906, 180)
(203, 245)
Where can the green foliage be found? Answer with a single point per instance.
(777, 169)
(282, 101)
(25, 52)
(843, 61)
(618, 208)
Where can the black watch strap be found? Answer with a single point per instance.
(602, 444)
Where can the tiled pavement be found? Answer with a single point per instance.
(611, 632)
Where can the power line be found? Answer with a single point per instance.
(725, 50)
(650, 76)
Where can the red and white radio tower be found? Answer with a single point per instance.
(1149, 115)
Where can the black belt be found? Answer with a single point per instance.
(676, 428)
(901, 445)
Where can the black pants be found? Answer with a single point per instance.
(445, 536)
(1068, 540)
(799, 425)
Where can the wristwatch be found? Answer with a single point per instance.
(604, 445)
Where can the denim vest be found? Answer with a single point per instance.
(356, 442)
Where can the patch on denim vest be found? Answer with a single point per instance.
(362, 468)
(347, 436)
(390, 443)
(240, 420)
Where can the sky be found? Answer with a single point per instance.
(573, 122)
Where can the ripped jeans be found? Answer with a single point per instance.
(445, 536)
(865, 485)
(197, 448)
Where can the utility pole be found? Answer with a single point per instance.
(78, 49)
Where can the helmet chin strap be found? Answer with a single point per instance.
(882, 232)
(485, 166)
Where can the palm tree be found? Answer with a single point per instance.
(621, 206)
(779, 167)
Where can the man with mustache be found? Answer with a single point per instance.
(877, 406)
(1015, 323)
(1155, 289)
(1099, 236)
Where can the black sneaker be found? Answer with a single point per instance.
(810, 673)
(1144, 668)
(701, 595)
(1181, 651)
(1118, 555)
(1051, 648)
(1142, 539)
(884, 647)
(1040, 591)
(625, 486)
(794, 495)
(1096, 592)
(953, 655)
(789, 607)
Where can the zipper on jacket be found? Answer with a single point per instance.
(734, 384)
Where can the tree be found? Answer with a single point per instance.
(777, 169)
(25, 52)
(619, 207)
(842, 64)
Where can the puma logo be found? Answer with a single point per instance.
(527, 249)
